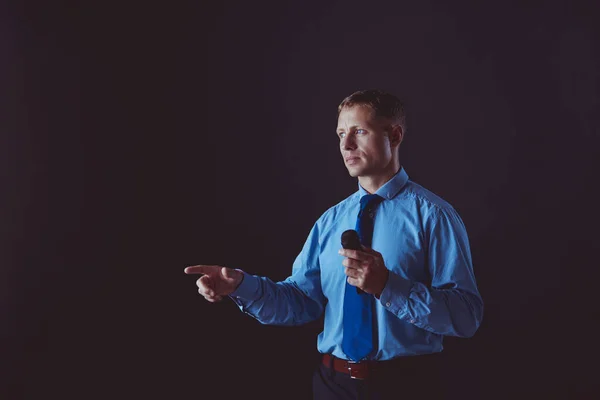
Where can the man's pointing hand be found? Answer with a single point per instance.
(216, 281)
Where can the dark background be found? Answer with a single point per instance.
(140, 138)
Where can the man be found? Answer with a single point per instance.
(407, 284)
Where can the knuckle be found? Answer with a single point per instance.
(211, 297)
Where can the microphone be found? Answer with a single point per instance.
(351, 241)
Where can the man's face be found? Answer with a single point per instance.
(364, 142)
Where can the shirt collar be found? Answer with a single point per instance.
(391, 188)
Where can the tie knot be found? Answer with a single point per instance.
(370, 201)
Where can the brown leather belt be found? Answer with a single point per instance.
(356, 370)
(368, 369)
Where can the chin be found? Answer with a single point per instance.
(354, 172)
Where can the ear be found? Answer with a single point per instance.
(396, 135)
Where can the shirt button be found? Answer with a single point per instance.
(388, 304)
(412, 321)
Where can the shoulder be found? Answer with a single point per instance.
(338, 210)
(426, 201)
(433, 209)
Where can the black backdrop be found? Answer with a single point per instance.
(140, 138)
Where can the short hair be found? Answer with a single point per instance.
(384, 104)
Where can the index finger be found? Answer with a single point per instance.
(197, 269)
(354, 254)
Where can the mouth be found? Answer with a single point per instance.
(352, 160)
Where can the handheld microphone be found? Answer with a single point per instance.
(351, 241)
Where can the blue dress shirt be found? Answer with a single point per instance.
(431, 290)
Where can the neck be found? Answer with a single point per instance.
(372, 183)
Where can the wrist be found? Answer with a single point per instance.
(385, 279)
(239, 278)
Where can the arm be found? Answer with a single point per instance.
(294, 301)
(452, 304)
(278, 303)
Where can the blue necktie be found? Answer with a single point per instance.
(357, 341)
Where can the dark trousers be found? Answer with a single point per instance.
(417, 377)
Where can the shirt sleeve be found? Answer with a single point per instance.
(451, 305)
(297, 300)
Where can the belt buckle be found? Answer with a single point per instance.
(352, 372)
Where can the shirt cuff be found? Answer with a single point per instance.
(394, 296)
(248, 287)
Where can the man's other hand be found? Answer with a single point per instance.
(365, 269)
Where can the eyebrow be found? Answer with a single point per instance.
(352, 127)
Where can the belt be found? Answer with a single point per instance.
(356, 370)
(417, 364)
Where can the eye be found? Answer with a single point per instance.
(341, 134)
(360, 131)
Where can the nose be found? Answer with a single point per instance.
(348, 142)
